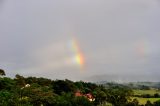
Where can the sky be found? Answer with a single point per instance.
(81, 39)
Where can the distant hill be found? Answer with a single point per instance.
(123, 78)
(139, 85)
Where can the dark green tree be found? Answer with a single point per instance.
(2, 72)
(119, 96)
(148, 103)
(134, 102)
(157, 103)
(39, 95)
(61, 86)
(20, 80)
(156, 95)
(5, 98)
(100, 96)
(81, 101)
(7, 84)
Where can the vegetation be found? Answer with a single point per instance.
(2, 73)
(32, 91)
(151, 92)
(143, 101)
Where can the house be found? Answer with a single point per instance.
(89, 96)
(78, 93)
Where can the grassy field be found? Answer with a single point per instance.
(143, 101)
(141, 92)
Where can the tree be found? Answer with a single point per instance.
(156, 95)
(5, 98)
(81, 101)
(118, 96)
(148, 103)
(6, 83)
(61, 86)
(100, 96)
(157, 103)
(39, 95)
(20, 80)
(2, 72)
(68, 99)
(64, 99)
(134, 102)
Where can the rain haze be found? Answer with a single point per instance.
(88, 40)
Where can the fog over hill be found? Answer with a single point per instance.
(123, 78)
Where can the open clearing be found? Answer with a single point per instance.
(143, 101)
(141, 92)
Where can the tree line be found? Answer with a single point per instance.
(33, 91)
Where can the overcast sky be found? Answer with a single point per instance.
(116, 37)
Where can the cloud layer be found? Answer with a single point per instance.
(116, 37)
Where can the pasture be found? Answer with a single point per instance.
(143, 101)
(142, 92)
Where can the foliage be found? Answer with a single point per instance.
(2, 72)
(61, 86)
(119, 96)
(5, 98)
(134, 102)
(157, 103)
(148, 103)
(33, 91)
(151, 92)
(142, 101)
(6, 83)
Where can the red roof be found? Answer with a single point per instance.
(89, 96)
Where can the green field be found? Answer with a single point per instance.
(141, 92)
(143, 101)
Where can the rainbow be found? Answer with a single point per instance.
(143, 48)
(78, 57)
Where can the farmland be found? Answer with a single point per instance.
(150, 92)
(142, 100)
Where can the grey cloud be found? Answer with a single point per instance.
(34, 35)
